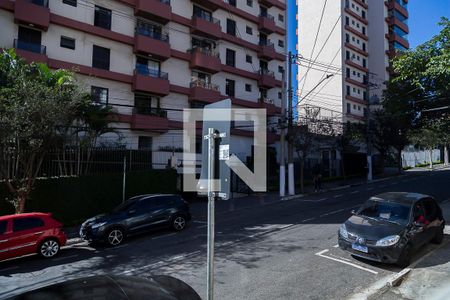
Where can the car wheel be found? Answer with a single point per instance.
(49, 248)
(115, 236)
(405, 257)
(179, 223)
(439, 237)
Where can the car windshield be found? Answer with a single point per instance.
(387, 211)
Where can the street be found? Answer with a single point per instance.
(274, 250)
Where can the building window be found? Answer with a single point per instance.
(281, 43)
(102, 17)
(347, 37)
(348, 73)
(29, 40)
(354, 106)
(359, 107)
(364, 30)
(363, 14)
(347, 21)
(249, 30)
(280, 95)
(280, 69)
(248, 87)
(348, 90)
(347, 54)
(364, 46)
(280, 18)
(248, 58)
(229, 87)
(231, 27)
(145, 143)
(67, 42)
(364, 62)
(147, 105)
(100, 57)
(250, 3)
(349, 108)
(99, 95)
(230, 58)
(70, 2)
(232, 2)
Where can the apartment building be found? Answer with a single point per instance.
(352, 40)
(149, 59)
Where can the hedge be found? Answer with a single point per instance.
(73, 199)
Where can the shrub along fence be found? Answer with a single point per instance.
(73, 199)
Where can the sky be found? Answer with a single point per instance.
(423, 18)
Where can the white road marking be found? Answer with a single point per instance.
(337, 211)
(321, 254)
(163, 236)
(65, 257)
(200, 222)
(8, 269)
(323, 199)
(354, 192)
(335, 246)
(337, 196)
(307, 220)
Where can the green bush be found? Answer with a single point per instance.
(73, 199)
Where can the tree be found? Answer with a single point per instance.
(343, 141)
(307, 136)
(419, 92)
(36, 105)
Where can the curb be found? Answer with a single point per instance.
(384, 285)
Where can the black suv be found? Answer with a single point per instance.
(137, 214)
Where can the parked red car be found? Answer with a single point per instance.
(30, 233)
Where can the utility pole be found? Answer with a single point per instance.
(282, 137)
(291, 182)
(369, 135)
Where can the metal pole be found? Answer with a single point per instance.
(124, 177)
(291, 181)
(211, 221)
(282, 138)
(369, 140)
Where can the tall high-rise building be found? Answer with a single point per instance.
(344, 48)
(149, 59)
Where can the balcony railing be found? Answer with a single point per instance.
(150, 31)
(266, 100)
(142, 69)
(203, 84)
(268, 16)
(266, 72)
(43, 3)
(205, 16)
(266, 43)
(205, 51)
(150, 111)
(32, 47)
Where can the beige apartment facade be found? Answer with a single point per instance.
(150, 59)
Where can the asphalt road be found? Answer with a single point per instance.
(280, 250)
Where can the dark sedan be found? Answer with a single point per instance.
(138, 214)
(389, 227)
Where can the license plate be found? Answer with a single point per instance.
(360, 248)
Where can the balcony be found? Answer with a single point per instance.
(205, 60)
(32, 12)
(212, 5)
(150, 81)
(266, 50)
(204, 92)
(153, 43)
(267, 23)
(157, 10)
(147, 118)
(266, 79)
(268, 3)
(31, 52)
(207, 26)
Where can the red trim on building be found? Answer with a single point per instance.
(354, 99)
(356, 49)
(362, 4)
(356, 66)
(394, 5)
(396, 38)
(28, 13)
(356, 32)
(32, 56)
(357, 83)
(356, 16)
(350, 115)
(394, 21)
